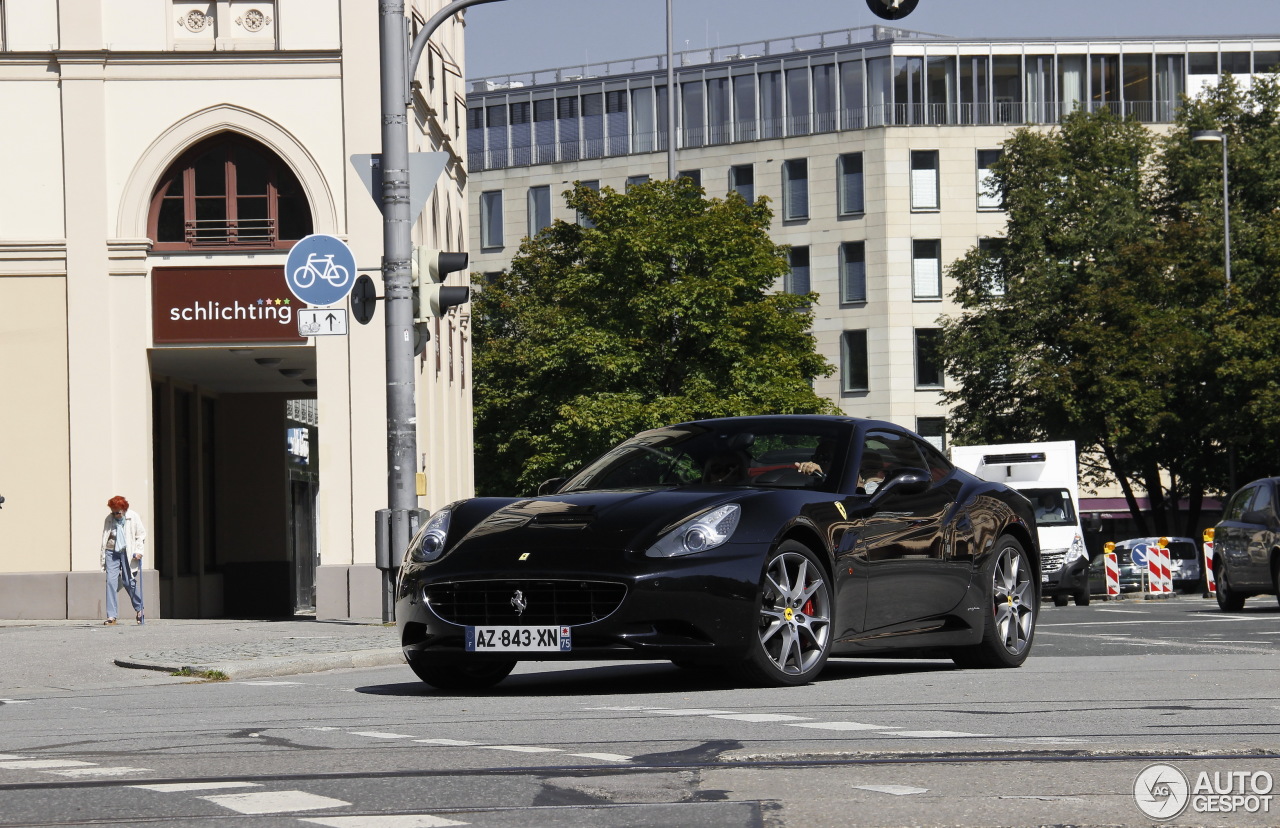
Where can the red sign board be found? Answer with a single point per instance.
(222, 304)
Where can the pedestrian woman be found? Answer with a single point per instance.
(124, 539)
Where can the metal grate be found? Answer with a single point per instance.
(546, 602)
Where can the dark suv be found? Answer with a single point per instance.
(1246, 545)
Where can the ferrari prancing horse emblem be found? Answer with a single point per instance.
(519, 603)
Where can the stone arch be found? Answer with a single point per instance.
(135, 201)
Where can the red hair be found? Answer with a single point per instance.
(117, 504)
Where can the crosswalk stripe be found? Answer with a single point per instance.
(43, 764)
(185, 787)
(608, 757)
(520, 748)
(759, 717)
(840, 726)
(373, 734)
(105, 771)
(274, 802)
(447, 742)
(381, 821)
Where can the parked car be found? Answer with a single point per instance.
(1184, 559)
(1130, 573)
(716, 543)
(1246, 546)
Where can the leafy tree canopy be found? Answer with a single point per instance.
(657, 307)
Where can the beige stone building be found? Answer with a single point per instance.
(158, 159)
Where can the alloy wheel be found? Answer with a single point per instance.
(1013, 594)
(795, 614)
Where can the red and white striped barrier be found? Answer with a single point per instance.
(1113, 574)
(1159, 571)
(1209, 581)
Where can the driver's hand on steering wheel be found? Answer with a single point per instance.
(809, 467)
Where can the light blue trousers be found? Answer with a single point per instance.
(116, 561)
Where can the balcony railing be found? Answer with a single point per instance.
(1000, 113)
(222, 232)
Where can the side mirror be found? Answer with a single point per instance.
(909, 481)
(549, 487)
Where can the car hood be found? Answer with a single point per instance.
(620, 520)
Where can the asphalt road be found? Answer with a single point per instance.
(1110, 690)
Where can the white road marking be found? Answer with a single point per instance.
(447, 742)
(321, 728)
(275, 802)
(43, 764)
(841, 726)
(607, 757)
(108, 771)
(520, 748)
(626, 708)
(270, 683)
(390, 821)
(15, 701)
(935, 734)
(186, 787)
(760, 717)
(896, 790)
(693, 711)
(373, 734)
(4, 756)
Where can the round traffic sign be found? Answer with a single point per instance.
(1138, 554)
(320, 270)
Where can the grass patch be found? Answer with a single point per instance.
(205, 675)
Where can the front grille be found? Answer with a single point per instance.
(1051, 561)
(562, 603)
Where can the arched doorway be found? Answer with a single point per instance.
(235, 480)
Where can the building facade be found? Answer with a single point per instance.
(159, 159)
(874, 146)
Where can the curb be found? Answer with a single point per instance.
(276, 665)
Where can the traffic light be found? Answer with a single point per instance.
(430, 297)
(892, 9)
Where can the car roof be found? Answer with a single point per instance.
(836, 419)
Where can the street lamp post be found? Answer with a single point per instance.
(1210, 136)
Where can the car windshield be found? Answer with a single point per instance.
(1053, 506)
(799, 455)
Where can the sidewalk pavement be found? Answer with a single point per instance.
(83, 655)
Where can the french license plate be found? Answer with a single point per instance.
(518, 639)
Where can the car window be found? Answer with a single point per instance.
(884, 455)
(1182, 551)
(939, 466)
(1262, 500)
(1240, 504)
(1052, 506)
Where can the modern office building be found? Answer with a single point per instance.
(873, 145)
(159, 158)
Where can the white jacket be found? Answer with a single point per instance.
(135, 535)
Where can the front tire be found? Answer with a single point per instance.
(1229, 600)
(460, 675)
(1082, 596)
(1011, 623)
(792, 637)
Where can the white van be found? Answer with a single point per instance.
(1045, 473)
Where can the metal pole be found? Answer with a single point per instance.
(1226, 218)
(671, 103)
(397, 250)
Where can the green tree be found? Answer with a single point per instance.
(1239, 324)
(1067, 330)
(658, 307)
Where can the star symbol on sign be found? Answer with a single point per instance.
(260, 301)
(277, 301)
(287, 300)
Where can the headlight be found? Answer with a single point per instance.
(1077, 549)
(429, 545)
(698, 534)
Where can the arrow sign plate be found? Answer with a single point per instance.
(322, 322)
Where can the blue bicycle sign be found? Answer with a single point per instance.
(320, 269)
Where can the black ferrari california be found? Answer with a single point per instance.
(763, 543)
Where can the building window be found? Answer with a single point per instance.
(491, 219)
(994, 265)
(797, 281)
(854, 375)
(539, 209)
(228, 191)
(933, 430)
(988, 198)
(795, 189)
(928, 358)
(633, 180)
(926, 269)
(924, 180)
(853, 272)
(693, 175)
(594, 186)
(742, 180)
(849, 178)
